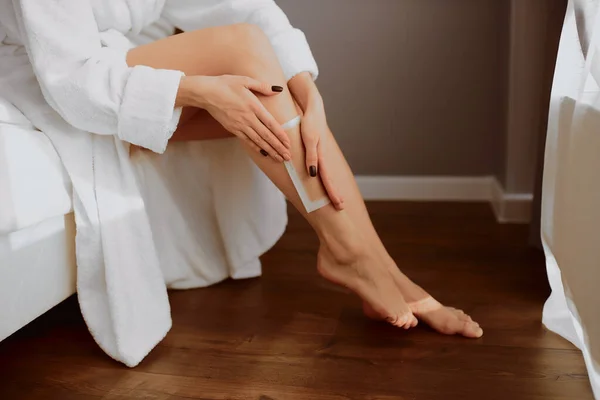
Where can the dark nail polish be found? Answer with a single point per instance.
(277, 88)
(264, 153)
(313, 171)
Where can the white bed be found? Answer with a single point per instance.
(37, 255)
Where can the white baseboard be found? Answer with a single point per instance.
(508, 207)
(511, 207)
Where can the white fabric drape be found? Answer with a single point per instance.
(195, 215)
(571, 188)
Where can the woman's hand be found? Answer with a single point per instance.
(231, 101)
(315, 132)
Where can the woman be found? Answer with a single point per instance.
(107, 75)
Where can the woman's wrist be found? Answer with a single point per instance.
(305, 92)
(314, 104)
(184, 93)
(194, 91)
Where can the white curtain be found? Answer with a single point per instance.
(571, 188)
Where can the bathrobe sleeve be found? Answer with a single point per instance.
(289, 43)
(90, 85)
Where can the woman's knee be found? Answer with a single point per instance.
(249, 35)
(256, 55)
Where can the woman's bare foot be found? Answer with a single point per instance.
(368, 277)
(446, 320)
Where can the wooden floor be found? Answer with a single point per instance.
(291, 336)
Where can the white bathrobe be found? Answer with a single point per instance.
(191, 217)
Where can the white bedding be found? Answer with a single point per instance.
(33, 183)
(37, 271)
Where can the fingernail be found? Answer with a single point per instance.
(313, 171)
(264, 153)
(277, 88)
(287, 157)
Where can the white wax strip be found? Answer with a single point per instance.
(309, 205)
(292, 123)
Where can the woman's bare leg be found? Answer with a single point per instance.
(244, 50)
(351, 252)
(447, 320)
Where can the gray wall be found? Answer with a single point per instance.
(535, 29)
(413, 87)
(525, 80)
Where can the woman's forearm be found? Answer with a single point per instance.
(305, 92)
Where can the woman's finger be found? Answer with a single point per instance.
(265, 148)
(334, 196)
(268, 136)
(249, 142)
(262, 87)
(312, 155)
(267, 119)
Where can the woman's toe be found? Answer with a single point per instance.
(464, 318)
(415, 321)
(407, 321)
(472, 329)
(412, 322)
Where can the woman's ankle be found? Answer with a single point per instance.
(344, 244)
